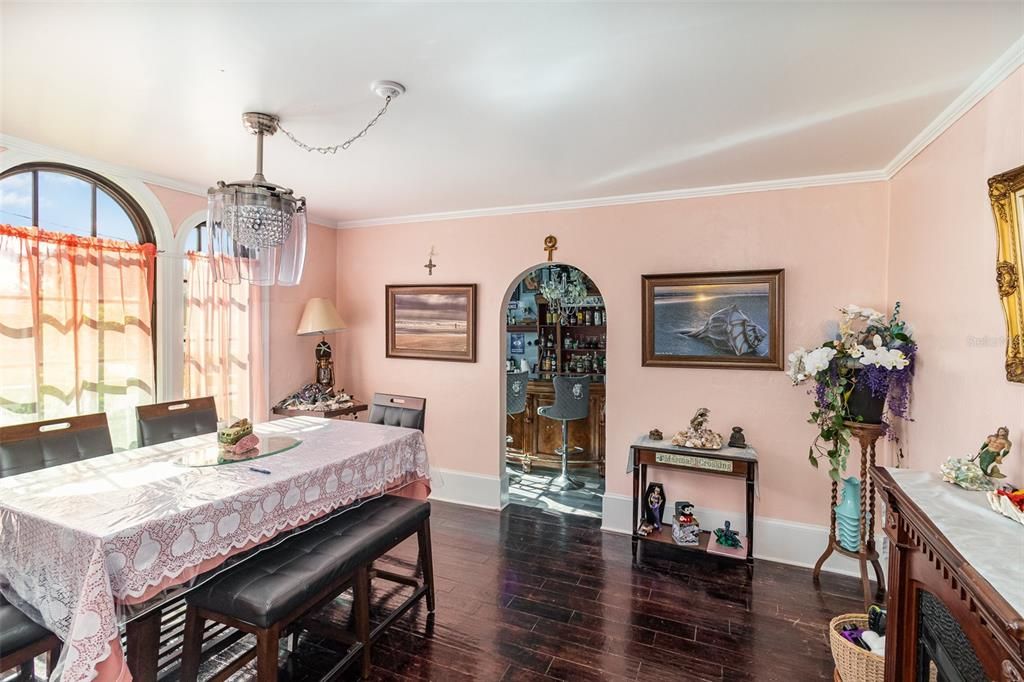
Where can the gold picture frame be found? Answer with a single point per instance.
(1006, 191)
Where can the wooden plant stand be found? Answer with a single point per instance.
(867, 435)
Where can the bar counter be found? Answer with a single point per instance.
(533, 438)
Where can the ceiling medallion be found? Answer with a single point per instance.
(257, 230)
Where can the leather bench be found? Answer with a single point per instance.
(22, 639)
(270, 594)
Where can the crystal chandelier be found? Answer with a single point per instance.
(564, 293)
(258, 229)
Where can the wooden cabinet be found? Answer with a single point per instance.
(532, 439)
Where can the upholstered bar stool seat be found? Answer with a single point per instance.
(572, 402)
(515, 392)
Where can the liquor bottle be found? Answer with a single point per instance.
(597, 317)
(588, 317)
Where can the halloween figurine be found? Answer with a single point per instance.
(654, 505)
(727, 536)
(993, 450)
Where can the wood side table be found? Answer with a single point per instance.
(736, 463)
(867, 435)
(354, 409)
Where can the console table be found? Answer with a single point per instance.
(956, 582)
(354, 409)
(740, 463)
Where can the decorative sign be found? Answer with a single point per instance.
(693, 462)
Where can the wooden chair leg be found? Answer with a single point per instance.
(52, 656)
(361, 607)
(27, 670)
(267, 642)
(192, 645)
(427, 562)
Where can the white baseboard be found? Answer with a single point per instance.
(788, 542)
(473, 490)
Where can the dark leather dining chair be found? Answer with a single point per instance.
(163, 422)
(38, 445)
(21, 640)
(398, 410)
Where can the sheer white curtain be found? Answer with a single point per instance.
(76, 329)
(222, 350)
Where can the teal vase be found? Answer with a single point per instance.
(848, 515)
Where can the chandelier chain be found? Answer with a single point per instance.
(333, 149)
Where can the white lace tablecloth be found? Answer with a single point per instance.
(80, 541)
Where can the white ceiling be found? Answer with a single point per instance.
(507, 104)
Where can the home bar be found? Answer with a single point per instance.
(547, 340)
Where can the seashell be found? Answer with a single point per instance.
(730, 330)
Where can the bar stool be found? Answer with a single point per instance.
(515, 392)
(572, 402)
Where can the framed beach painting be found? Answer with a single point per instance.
(431, 322)
(714, 319)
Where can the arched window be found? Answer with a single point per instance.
(61, 198)
(77, 264)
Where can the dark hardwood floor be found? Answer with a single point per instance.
(529, 595)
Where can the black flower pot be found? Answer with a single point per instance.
(863, 406)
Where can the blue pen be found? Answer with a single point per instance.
(259, 471)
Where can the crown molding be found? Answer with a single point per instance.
(995, 74)
(624, 199)
(41, 151)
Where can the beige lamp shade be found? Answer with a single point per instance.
(319, 317)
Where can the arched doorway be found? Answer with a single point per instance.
(555, 344)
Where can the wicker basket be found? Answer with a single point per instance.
(853, 663)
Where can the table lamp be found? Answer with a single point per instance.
(321, 317)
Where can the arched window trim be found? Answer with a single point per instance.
(143, 227)
(138, 217)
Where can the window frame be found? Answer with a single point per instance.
(143, 227)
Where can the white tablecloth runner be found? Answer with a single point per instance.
(79, 541)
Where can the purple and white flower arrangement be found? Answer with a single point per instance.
(870, 356)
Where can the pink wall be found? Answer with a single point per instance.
(799, 230)
(291, 357)
(942, 266)
(178, 205)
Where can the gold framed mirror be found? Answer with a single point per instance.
(1006, 191)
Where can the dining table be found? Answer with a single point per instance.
(97, 547)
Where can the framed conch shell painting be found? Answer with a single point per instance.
(1006, 191)
(714, 319)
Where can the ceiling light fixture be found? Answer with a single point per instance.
(258, 229)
